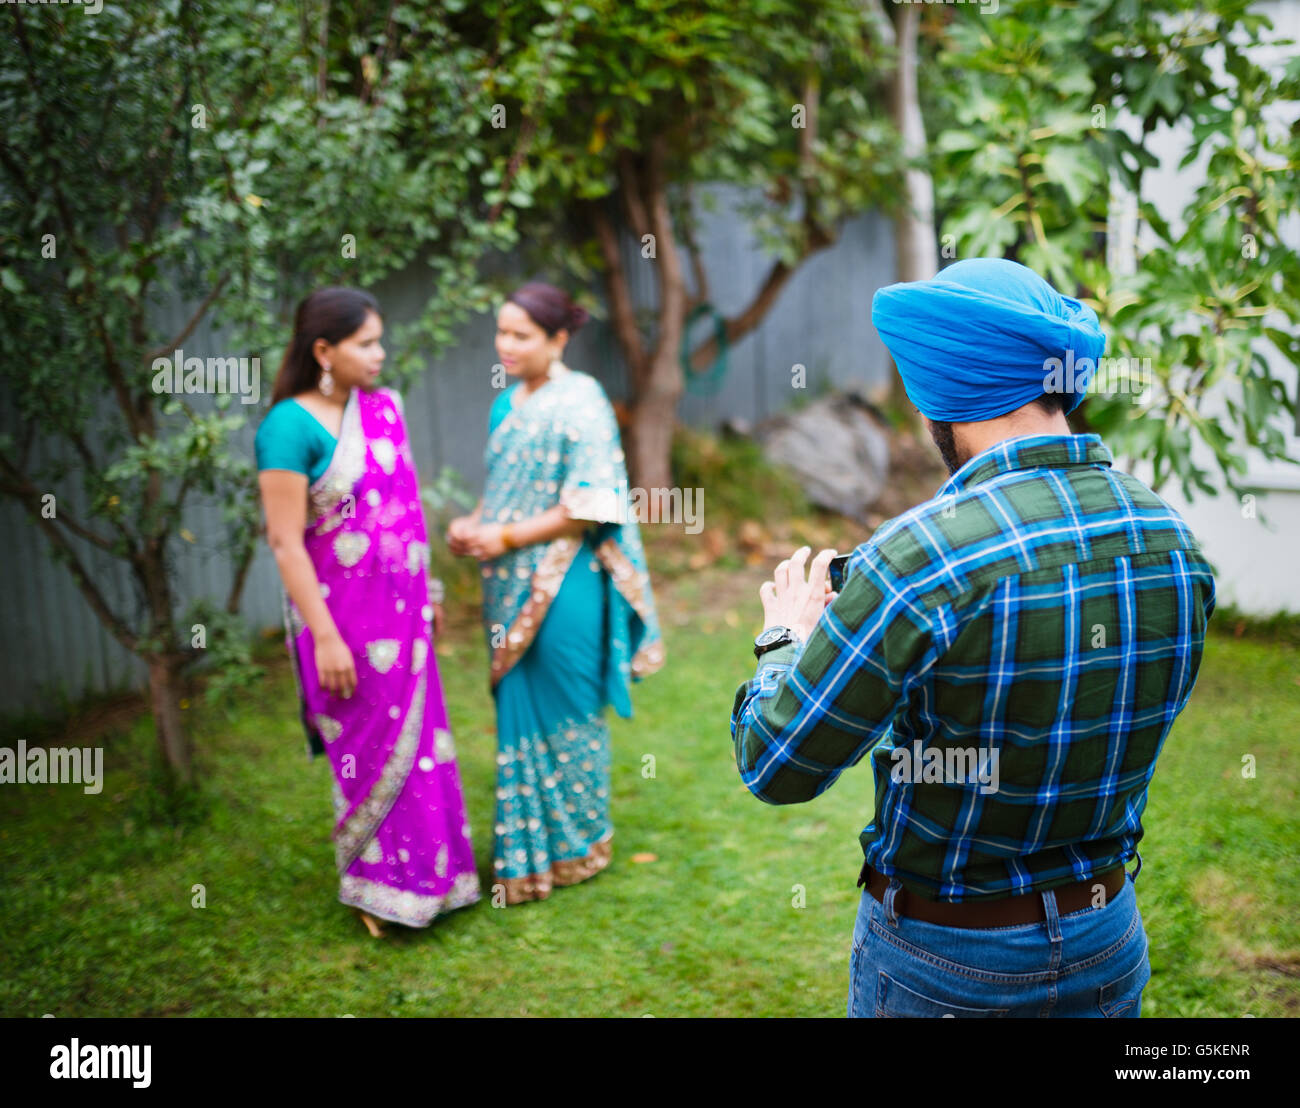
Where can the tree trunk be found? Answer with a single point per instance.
(164, 695)
(659, 390)
(915, 247)
(164, 660)
(653, 421)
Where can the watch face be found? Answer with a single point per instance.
(770, 636)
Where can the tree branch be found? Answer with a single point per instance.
(242, 564)
(878, 16)
(188, 329)
(19, 486)
(739, 325)
(693, 248)
(808, 133)
(158, 191)
(322, 62)
(15, 487)
(527, 128)
(672, 284)
(622, 310)
(816, 236)
(15, 171)
(630, 192)
(120, 389)
(381, 56)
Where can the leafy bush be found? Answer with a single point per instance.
(738, 481)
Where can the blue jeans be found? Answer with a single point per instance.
(1092, 962)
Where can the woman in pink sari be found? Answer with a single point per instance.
(344, 521)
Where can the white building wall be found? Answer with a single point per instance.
(1253, 543)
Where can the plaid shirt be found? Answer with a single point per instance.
(1012, 653)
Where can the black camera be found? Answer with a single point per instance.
(839, 566)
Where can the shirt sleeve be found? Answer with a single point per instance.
(594, 487)
(810, 712)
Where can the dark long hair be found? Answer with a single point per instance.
(331, 314)
(550, 308)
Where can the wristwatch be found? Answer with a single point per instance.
(773, 637)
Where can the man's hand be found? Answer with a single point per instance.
(791, 601)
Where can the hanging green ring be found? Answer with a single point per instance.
(708, 381)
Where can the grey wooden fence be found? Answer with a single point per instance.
(53, 645)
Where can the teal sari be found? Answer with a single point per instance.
(570, 624)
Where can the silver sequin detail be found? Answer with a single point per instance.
(350, 548)
(328, 726)
(385, 454)
(383, 653)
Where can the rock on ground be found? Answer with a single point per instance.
(838, 448)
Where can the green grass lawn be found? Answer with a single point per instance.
(97, 902)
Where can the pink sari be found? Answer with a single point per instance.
(402, 843)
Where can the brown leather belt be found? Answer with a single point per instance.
(1004, 911)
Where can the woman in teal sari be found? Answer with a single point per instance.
(567, 604)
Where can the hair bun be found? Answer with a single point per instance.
(578, 315)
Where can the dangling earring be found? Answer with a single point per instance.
(326, 381)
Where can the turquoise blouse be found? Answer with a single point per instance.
(501, 407)
(292, 438)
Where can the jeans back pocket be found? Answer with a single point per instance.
(896, 999)
(1120, 998)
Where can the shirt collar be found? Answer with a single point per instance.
(1027, 452)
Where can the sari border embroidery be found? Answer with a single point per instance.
(595, 505)
(342, 474)
(566, 871)
(633, 586)
(405, 906)
(544, 587)
(359, 828)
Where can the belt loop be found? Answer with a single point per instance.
(1053, 916)
(1134, 875)
(891, 912)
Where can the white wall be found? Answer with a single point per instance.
(1254, 545)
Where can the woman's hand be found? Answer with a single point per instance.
(487, 542)
(437, 621)
(335, 668)
(459, 532)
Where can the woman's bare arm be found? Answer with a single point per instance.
(488, 541)
(284, 499)
(551, 524)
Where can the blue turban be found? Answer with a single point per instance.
(985, 337)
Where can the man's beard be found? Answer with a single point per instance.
(941, 433)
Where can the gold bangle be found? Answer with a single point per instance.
(508, 537)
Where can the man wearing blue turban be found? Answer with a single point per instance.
(1009, 655)
(982, 341)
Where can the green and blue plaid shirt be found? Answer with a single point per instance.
(1012, 653)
